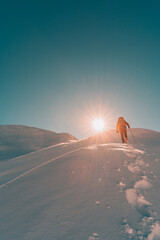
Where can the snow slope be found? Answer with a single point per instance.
(82, 190)
(16, 140)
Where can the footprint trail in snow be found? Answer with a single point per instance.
(149, 224)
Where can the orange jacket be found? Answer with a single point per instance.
(121, 123)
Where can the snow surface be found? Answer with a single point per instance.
(17, 140)
(80, 190)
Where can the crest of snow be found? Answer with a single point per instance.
(121, 184)
(143, 184)
(130, 152)
(142, 202)
(93, 147)
(133, 169)
(139, 151)
(155, 234)
(131, 196)
(73, 141)
(136, 201)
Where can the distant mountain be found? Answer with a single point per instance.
(17, 140)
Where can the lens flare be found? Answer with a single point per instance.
(95, 118)
(98, 124)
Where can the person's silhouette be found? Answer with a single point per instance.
(121, 127)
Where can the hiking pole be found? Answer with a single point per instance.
(132, 135)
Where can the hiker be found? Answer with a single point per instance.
(121, 127)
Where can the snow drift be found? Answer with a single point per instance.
(83, 190)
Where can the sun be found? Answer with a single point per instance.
(98, 124)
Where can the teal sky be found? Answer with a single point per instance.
(61, 61)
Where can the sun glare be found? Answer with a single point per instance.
(95, 119)
(98, 124)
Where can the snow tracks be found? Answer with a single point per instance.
(138, 163)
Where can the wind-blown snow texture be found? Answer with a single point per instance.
(17, 140)
(81, 190)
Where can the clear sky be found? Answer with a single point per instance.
(63, 61)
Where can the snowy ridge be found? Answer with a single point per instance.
(78, 190)
(17, 140)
